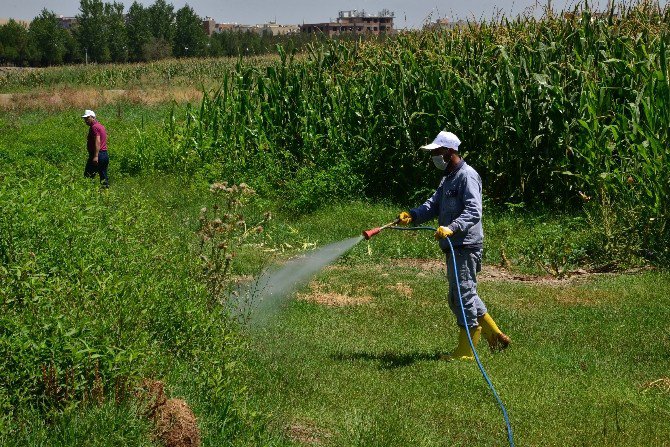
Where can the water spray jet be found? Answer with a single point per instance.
(274, 287)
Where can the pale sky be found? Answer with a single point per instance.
(408, 14)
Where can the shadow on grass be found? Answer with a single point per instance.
(388, 360)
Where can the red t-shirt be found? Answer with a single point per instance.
(97, 129)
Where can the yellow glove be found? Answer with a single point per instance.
(443, 232)
(405, 218)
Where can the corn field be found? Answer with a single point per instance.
(563, 111)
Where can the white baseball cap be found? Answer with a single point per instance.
(443, 139)
(88, 113)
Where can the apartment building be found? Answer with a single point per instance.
(353, 22)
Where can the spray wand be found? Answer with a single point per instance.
(367, 234)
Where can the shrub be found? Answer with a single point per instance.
(97, 290)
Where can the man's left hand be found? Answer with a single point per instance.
(95, 160)
(443, 232)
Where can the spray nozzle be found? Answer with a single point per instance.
(367, 234)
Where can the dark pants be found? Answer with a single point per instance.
(98, 168)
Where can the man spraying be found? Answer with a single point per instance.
(96, 143)
(457, 204)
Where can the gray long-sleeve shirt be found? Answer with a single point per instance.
(457, 204)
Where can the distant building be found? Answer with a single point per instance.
(353, 22)
(209, 25)
(221, 27)
(271, 28)
(275, 29)
(249, 29)
(23, 23)
(67, 22)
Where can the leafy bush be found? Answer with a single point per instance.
(556, 243)
(99, 289)
(309, 190)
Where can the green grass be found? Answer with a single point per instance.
(60, 138)
(369, 374)
(354, 375)
(106, 279)
(96, 426)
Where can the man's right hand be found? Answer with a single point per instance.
(405, 218)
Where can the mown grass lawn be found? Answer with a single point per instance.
(366, 372)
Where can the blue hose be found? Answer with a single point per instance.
(467, 329)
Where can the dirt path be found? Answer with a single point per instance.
(498, 273)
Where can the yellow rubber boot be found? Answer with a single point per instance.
(463, 351)
(492, 333)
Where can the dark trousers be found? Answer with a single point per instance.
(99, 168)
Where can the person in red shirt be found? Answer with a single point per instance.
(98, 159)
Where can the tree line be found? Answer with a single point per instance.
(102, 33)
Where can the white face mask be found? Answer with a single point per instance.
(439, 162)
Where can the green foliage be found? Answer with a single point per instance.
(189, 39)
(171, 72)
(149, 33)
(73, 53)
(101, 31)
(162, 20)
(558, 248)
(111, 424)
(48, 39)
(138, 26)
(309, 190)
(156, 49)
(117, 37)
(92, 31)
(14, 43)
(97, 290)
(550, 112)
